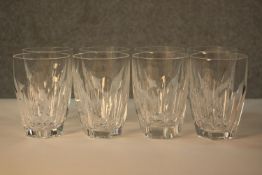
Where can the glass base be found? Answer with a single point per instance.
(44, 133)
(213, 135)
(117, 132)
(98, 134)
(168, 132)
(103, 133)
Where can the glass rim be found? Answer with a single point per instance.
(183, 56)
(47, 49)
(175, 48)
(235, 56)
(198, 48)
(20, 56)
(98, 49)
(82, 57)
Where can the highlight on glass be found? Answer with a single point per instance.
(101, 81)
(43, 88)
(218, 84)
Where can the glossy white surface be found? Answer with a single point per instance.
(132, 153)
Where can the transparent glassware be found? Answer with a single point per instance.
(101, 82)
(218, 84)
(160, 87)
(43, 84)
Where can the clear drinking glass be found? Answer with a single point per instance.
(160, 87)
(101, 82)
(43, 87)
(218, 84)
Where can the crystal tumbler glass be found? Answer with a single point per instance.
(43, 86)
(101, 82)
(160, 87)
(218, 84)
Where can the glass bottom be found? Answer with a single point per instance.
(117, 132)
(44, 133)
(213, 135)
(167, 132)
(103, 133)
